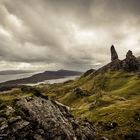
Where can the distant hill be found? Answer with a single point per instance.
(47, 75)
(13, 72)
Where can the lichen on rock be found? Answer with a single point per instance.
(42, 119)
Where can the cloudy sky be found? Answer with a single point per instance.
(66, 34)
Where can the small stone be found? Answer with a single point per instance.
(113, 124)
(20, 125)
(9, 110)
(29, 98)
(4, 126)
(93, 105)
(104, 138)
(38, 137)
(2, 119)
(14, 119)
(40, 131)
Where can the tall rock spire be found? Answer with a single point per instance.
(114, 55)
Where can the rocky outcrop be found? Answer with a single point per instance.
(80, 93)
(114, 55)
(41, 119)
(130, 63)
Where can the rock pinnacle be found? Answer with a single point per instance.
(114, 55)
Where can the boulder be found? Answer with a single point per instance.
(79, 92)
(42, 119)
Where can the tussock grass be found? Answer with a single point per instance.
(116, 98)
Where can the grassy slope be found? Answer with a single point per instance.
(8, 99)
(114, 97)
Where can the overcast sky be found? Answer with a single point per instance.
(66, 34)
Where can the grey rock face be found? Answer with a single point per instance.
(41, 119)
(130, 63)
(130, 55)
(114, 55)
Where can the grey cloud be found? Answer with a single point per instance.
(74, 34)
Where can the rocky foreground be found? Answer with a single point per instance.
(42, 119)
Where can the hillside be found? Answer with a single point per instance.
(108, 99)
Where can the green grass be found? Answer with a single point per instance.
(117, 96)
(7, 98)
(114, 96)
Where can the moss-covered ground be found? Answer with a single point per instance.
(114, 98)
(112, 103)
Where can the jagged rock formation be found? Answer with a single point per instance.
(114, 55)
(129, 64)
(40, 119)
